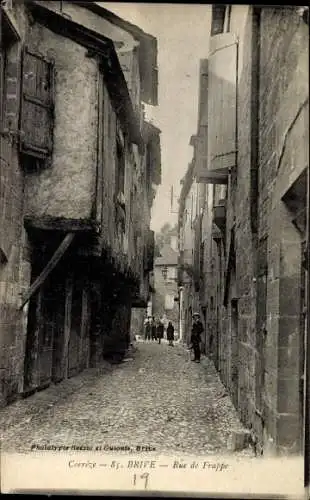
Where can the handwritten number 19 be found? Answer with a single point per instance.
(144, 476)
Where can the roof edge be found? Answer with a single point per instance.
(148, 52)
(101, 11)
(103, 47)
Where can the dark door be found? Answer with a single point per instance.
(85, 327)
(46, 333)
(59, 301)
(32, 342)
(75, 330)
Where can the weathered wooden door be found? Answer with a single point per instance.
(45, 322)
(35, 342)
(45, 329)
(58, 334)
(85, 327)
(46, 333)
(75, 330)
(31, 357)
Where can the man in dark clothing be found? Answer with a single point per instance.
(160, 331)
(170, 333)
(197, 330)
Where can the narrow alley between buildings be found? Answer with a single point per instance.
(154, 180)
(156, 398)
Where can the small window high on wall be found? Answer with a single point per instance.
(220, 19)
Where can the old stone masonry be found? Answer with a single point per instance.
(157, 399)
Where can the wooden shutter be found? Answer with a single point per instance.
(37, 106)
(222, 103)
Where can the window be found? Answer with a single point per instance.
(9, 108)
(221, 15)
(37, 107)
(9, 37)
(218, 19)
(172, 273)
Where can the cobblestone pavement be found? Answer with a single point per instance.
(157, 397)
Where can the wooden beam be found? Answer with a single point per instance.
(47, 223)
(66, 242)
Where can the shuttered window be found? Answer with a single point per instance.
(37, 106)
(218, 19)
(222, 103)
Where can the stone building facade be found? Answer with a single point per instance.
(186, 233)
(252, 156)
(78, 165)
(165, 296)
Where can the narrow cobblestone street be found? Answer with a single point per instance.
(155, 398)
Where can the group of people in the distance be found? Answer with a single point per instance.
(154, 330)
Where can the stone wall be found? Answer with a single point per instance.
(70, 187)
(245, 241)
(67, 188)
(259, 333)
(14, 251)
(165, 287)
(283, 158)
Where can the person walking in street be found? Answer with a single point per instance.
(197, 330)
(170, 333)
(154, 337)
(147, 330)
(160, 331)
